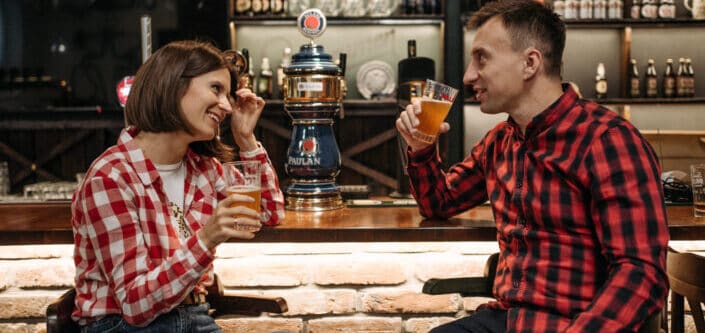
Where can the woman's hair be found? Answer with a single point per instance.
(154, 104)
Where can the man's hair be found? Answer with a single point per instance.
(154, 104)
(528, 23)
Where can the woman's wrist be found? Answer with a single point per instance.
(246, 144)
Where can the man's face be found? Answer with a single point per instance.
(496, 72)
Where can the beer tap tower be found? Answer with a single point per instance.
(313, 91)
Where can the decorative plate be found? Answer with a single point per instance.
(375, 78)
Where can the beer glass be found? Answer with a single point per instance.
(436, 101)
(697, 174)
(243, 177)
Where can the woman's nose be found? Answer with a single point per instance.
(226, 102)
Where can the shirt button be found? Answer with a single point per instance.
(521, 220)
(519, 183)
(515, 284)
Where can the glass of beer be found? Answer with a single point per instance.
(243, 177)
(435, 104)
(697, 177)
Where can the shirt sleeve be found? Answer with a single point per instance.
(630, 222)
(444, 194)
(272, 199)
(142, 289)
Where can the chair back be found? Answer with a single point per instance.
(58, 314)
(686, 275)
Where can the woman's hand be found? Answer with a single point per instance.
(246, 111)
(223, 226)
(408, 121)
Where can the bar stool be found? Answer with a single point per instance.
(482, 287)
(686, 274)
(58, 314)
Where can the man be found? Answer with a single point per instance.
(574, 188)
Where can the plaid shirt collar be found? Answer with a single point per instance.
(144, 167)
(551, 115)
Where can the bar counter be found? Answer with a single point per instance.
(49, 223)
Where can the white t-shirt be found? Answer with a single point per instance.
(173, 179)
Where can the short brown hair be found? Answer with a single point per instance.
(154, 102)
(528, 22)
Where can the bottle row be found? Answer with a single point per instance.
(262, 82)
(336, 8)
(673, 83)
(614, 9)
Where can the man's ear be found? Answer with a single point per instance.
(533, 61)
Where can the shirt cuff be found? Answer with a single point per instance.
(254, 152)
(421, 155)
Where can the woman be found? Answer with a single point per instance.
(152, 209)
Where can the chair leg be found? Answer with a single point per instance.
(697, 313)
(677, 313)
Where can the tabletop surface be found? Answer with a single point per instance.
(49, 223)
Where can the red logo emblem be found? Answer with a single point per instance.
(309, 146)
(123, 89)
(311, 23)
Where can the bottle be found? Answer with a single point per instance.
(691, 77)
(651, 80)
(265, 8)
(585, 9)
(248, 76)
(264, 81)
(634, 82)
(669, 80)
(277, 7)
(681, 78)
(667, 9)
(257, 7)
(571, 9)
(286, 61)
(600, 82)
(636, 9)
(614, 9)
(599, 9)
(243, 7)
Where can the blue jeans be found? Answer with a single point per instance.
(182, 319)
(482, 321)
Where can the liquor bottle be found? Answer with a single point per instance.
(651, 80)
(634, 81)
(669, 80)
(277, 7)
(636, 9)
(243, 7)
(600, 82)
(614, 9)
(691, 77)
(264, 81)
(667, 9)
(571, 9)
(286, 60)
(600, 9)
(681, 78)
(248, 76)
(585, 9)
(257, 7)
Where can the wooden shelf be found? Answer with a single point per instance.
(629, 101)
(387, 20)
(87, 117)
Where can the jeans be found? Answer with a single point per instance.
(182, 319)
(482, 321)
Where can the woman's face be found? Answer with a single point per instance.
(206, 103)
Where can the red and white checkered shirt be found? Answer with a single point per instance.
(128, 255)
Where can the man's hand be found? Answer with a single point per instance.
(408, 121)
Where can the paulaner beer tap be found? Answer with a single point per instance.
(313, 90)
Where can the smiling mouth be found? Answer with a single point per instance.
(214, 116)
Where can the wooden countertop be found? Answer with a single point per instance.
(48, 223)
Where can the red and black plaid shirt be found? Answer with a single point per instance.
(129, 257)
(580, 215)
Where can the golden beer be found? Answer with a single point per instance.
(253, 192)
(433, 112)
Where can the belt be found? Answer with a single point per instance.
(194, 298)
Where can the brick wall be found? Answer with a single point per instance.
(329, 287)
